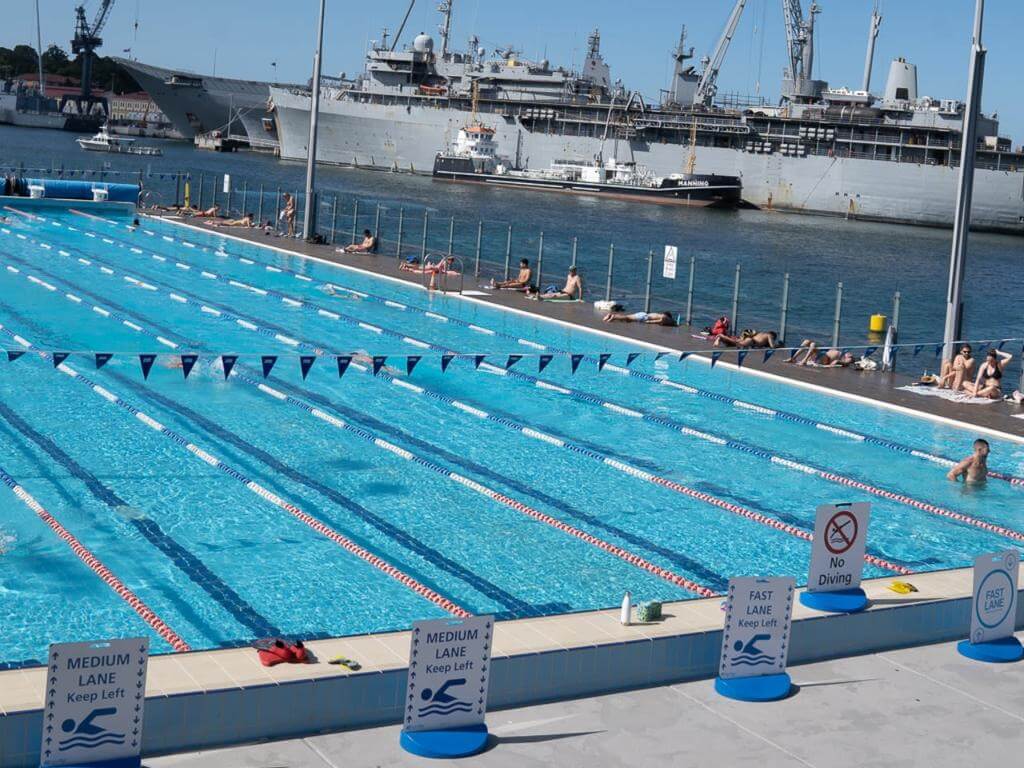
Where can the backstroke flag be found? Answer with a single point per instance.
(410, 363)
(305, 363)
(344, 361)
(378, 363)
(146, 363)
(446, 360)
(188, 362)
(269, 361)
(228, 361)
(102, 358)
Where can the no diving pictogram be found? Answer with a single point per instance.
(840, 533)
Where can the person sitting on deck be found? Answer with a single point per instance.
(521, 281)
(833, 358)
(956, 373)
(721, 326)
(245, 221)
(973, 469)
(369, 244)
(572, 291)
(442, 266)
(989, 380)
(649, 318)
(749, 339)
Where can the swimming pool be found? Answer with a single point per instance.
(211, 510)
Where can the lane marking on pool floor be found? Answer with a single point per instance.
(621, 553)
(572, 447)
(736, 402)
(208, 458)
(84, 554)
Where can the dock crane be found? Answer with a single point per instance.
(707, 87)
(799, 83)
(85, 42)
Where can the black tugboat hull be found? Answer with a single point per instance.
(699, 190)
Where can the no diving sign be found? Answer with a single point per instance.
(95, 693)
(837, 554)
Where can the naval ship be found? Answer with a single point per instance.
(836, 151)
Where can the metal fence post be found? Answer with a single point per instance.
(573, 262)
(401, 230)
(423, 245)
(334, 217)
(376, 223)
(508, 251)
(839, 313)
(231, 189)
(451, 235)
(245, 197)
(611, 265)
(896, 301)
(479, 245)
(650, 275)
(540, 263)
(785, 309)
(259, 216)
(689, 291)
(736, 300)
(177, 187)
(277, 208)
(202, 182)
(355, 221)
(213, 199)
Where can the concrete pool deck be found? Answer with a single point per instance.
(875, 386)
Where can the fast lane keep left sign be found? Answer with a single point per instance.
(95, 695)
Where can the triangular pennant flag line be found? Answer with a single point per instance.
(684, 355)
(659, 355)
(344, 361)
(268, 361)
(60, 357)
(631, 357)
(917, 349)
(938, 350)
(602, 360)
(767, 355)
(867, 352)
(512, 360)
(575, 361)
(102, 358)
(378, 363)
(410, 363)
(305, 363)
(477, 359)
(543, 361)
(13, 355)
(188, 362)
(740, 357)
(714, 358)
(146, 363)
(228, 361)
(446, 360)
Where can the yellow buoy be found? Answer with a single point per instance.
(877, 324)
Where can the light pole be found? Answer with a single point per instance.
(273, 64)
(964, 190)
(309, 213)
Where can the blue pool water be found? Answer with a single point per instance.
(239, 516)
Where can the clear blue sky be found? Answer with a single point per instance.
(637, 37)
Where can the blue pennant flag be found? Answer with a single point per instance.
(767, 355)
(917, 349)
(378, 363)
(659, 355)
(305, 363)
(60, 357)
(575, 361)
(477, 359)
(269, 361)
(228, 361)
(631, 357)
(344, 361)
(102, 358)
(1002, 343)
(602, 360)
(984, 344)
(741, 356)
(543, 361)
(188, 362)
(794, 353)
(446, 360)
(410, 362)
(715, 356)
(13, 354)
(684, 355)
(867, 352)
(938, 349)
(512, 360)
(146, 362)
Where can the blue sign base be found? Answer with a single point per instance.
(450, 742)
(1000, 651)
(124, 762)
(840, 601)
(765, 688)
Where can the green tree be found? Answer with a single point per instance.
(55, 60)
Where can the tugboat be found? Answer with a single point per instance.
(474, 158)
(104, 141)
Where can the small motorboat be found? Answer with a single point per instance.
(104, 141)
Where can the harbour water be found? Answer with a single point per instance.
(872, 260)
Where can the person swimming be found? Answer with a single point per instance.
(973, 469)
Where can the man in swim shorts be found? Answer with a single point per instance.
(973, 469)
(521, 281)
(649, 318)
(572, 291)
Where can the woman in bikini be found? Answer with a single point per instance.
(989, 382)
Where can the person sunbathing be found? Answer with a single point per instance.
(521, 281)
(442, 266)
(989, 382)
(368, 245)
(808, 355)
(210, 213)
(245, 221)
(572, 291)
(958, 371)
(648, 318)
(748, 339)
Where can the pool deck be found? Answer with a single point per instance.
(875, 386)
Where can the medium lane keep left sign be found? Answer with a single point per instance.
(95, 695)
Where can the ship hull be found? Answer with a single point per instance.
(407, 138)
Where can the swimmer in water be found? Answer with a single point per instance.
(973, 469)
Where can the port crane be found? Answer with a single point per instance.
(799, 84)
(707, 87)
(85, 42)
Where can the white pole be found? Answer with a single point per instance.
(309, 213)
(39, 43)
(965, 190)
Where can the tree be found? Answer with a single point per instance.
(55, 60)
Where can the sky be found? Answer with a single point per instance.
(242, 38)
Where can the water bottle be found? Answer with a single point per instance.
(627, 609)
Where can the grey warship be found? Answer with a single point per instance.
(833, 151)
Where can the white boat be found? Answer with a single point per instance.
(104, 141)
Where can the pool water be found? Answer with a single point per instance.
(239, 507)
